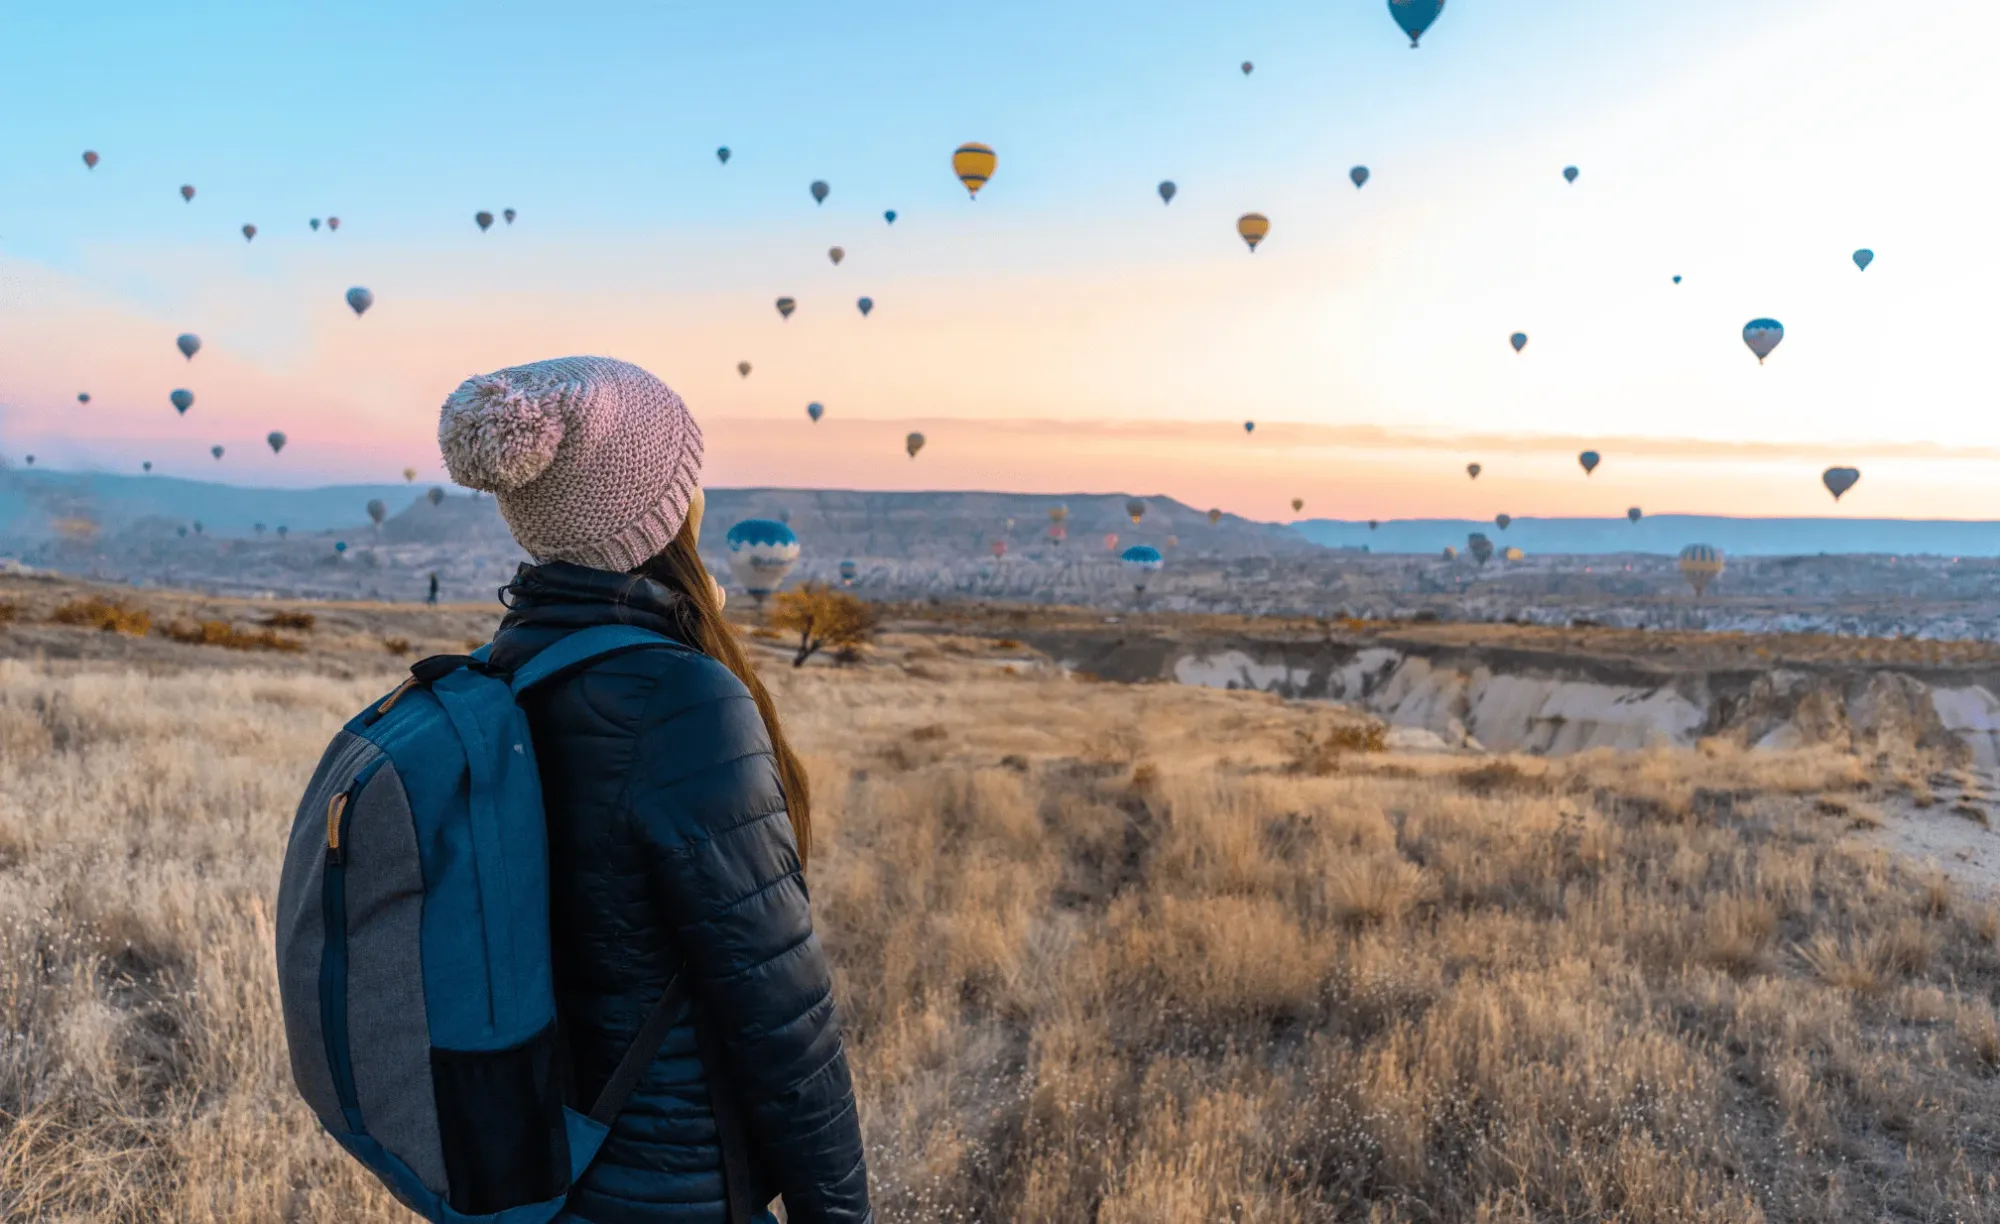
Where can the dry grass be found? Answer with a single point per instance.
(107, 615)
(1105, 954)
(229, 637)
(297, 622)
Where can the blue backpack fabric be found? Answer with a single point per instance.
(413, 946)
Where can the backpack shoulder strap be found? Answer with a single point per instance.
(581, 649)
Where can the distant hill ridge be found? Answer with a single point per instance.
(1669, 533)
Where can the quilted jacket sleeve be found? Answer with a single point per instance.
(725, 869)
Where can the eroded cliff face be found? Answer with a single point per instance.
(1548, 703)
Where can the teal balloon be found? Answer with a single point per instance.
(359, 300)
(866, 305)
(815, 410)
(820, 191)
(1167, 191)
(1569, 174)
(1415, 16)
(1519, 340)
(1863, 257)
(1635, 514)
(1763, 335)
(189, 344)
(340, 546)
(1249, 427)
(1677, 280)
(1359, 176)
(722, 155)
(889, 216)
(182, 400)
(1589, 460)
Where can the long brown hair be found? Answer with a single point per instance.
(678, 567)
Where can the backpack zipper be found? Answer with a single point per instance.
(333, 957)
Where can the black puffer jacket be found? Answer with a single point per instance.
(669, 842)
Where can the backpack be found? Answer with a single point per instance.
(414, 963)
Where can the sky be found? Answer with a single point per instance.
(1066, 331)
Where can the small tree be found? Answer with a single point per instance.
(822, 616)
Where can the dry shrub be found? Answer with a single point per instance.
(397, 646)
(107, 615)
(1319, 751)
(229, 637)
(297, 622)
(8, 612)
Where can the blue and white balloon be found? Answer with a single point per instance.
(761, 553)
(1763, 335)
(1140, 562)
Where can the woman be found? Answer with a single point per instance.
(678, 815)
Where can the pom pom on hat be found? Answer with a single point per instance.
(498, 434)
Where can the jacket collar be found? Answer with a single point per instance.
(545, 602)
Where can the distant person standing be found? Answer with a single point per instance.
(432, 598)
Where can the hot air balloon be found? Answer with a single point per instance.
(1762, 335)
(1700, 565)
(1249, 427)
(1373, 524)
(340, 546)
(1635, 514)
(1167, 190)
(722, 155)
(249, 232)
(187, 192)
(1058, 513)
(743, 368)
(333, 223)
(889, 215)
(1110, 541)
(409, 475)
(377, 510)
(1214, 517)
(913, 444)
(1839, 480)
(484, 220)
(814, 410)
(1415, 16)
(848, 570)
(1298, 504)
(315, 224)
(1140, 562)
(1359, 175)
(820, 191)
(1248, 67)
(83, 397)
(359, 300)
(1473, 470)
(436, 495)
(973, 163)
(30, 459)
(188, 343)
(182, 400)
(785, 307)
(1863, 257)
(1677, 280)
(1450, 553)
(258, 528)
(1480, 547)
(181, 531)
(1252, 227)
(999, 549)
(1512, 554)
(508, 214)
(275, 440)
(1569, 174)
(865, 305)
(146, 466)
(89, 160)
(761, 553)
(1589, 460)
(1519, 340)
(216, 451)
(836, 255)
(1503, 521)
(1135, 508)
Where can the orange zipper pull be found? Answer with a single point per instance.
(334, 808)
(396, 696)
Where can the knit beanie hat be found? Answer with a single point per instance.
(593, 461)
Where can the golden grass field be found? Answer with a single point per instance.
(1132, 955)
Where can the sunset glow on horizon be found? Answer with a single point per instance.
(1068, 331)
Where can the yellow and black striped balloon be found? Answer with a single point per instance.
(973, 164)
(1253, 227)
